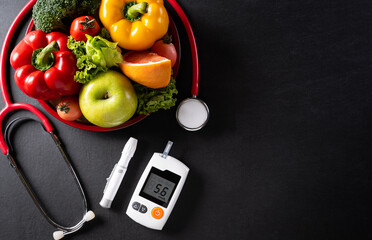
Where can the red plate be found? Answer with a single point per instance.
(136, 118)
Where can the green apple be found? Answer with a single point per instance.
(108, 100)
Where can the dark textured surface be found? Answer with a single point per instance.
(287, 151)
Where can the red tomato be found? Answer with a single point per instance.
(68, 108)
(84, 25)
(166, 50)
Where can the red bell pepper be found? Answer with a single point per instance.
(45, 67)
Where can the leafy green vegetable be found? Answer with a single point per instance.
(94, 56)
(151, 100)
(49, 15)
(103, 52)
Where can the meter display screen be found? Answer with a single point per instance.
(159, 186)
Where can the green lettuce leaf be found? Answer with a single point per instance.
(151, 100)
(94, 56)
(103, 52)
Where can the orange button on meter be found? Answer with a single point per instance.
(157, 213)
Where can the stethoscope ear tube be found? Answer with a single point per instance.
(11, 125)
(88, 215)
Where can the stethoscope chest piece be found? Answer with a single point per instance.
(192, 114)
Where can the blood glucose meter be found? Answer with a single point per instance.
(157, 190)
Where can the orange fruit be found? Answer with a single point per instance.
(147, 68)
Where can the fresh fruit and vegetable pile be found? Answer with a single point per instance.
(98, 61)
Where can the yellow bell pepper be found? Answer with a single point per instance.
(135, 25)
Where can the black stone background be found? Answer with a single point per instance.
(286, 153)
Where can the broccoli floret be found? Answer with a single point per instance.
(57, 15)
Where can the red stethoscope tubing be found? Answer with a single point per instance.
(9, 106)
(194, 49)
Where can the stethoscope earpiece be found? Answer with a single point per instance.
(58, 235)
(87, 217)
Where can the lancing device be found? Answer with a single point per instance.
(117, 174)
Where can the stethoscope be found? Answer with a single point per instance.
(186, 117)
(5, 144)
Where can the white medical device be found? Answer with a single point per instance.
(157, 190)
(117, 174)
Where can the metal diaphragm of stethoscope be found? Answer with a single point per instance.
(192, 114)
